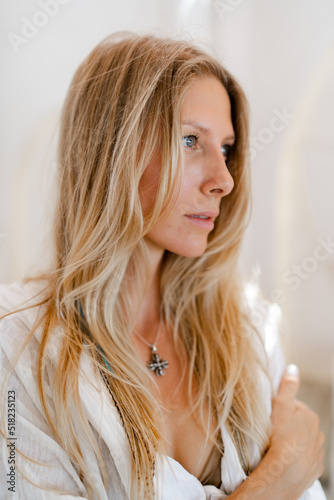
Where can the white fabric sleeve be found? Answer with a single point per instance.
(33, 435)
(213, 493)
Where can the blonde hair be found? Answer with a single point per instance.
(124, 101)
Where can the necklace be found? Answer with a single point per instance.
(156, 364)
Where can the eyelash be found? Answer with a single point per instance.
(227, 147)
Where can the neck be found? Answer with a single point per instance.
(148, 299)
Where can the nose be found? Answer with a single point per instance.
(217, 179)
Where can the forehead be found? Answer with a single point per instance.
(207, 102)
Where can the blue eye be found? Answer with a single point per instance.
(190, 141)
(226, 148)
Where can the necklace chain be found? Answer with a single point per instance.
(155, 364)
(154, 344)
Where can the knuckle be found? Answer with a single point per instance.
(278, 400)
(290, 383)
(313, 418)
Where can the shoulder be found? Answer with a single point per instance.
(20, 294)
(20, 303)
(17, 316)
(37, 443)
(19, 310)
(20, 342)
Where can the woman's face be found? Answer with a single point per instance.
(207, 133)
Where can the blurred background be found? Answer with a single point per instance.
(282, 53)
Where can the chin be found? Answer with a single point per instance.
(190, 251)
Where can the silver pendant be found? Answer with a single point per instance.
(156, 364)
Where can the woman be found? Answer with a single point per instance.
(142, 374)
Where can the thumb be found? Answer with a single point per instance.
(290, 382)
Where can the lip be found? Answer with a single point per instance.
(204, 223)
(208, 213)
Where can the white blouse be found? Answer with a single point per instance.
(31, 435)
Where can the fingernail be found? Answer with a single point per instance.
(292, 370)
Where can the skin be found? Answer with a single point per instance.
(295, 456)
(206, 180)
(206, 176)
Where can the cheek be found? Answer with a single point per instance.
(188, 198)
(181, 202)
(148, 185)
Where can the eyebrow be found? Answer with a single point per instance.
(205, 130)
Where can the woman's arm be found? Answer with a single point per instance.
(51, 469)
(295, 457)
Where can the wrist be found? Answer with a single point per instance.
(267, 481)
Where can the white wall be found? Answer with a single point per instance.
(274, 49)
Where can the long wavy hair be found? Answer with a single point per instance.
(124, 102)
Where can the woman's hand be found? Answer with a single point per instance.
(294, 459)
(297, 441)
